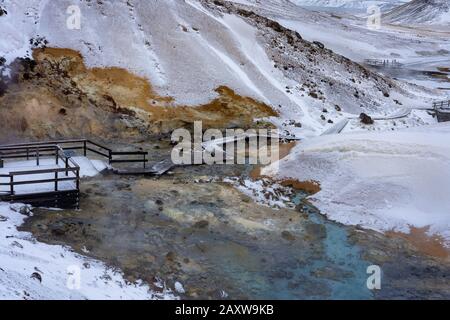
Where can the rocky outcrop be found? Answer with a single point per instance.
(3, 12)
(56, 95)
(366, 119)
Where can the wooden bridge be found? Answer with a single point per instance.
(58, 184)
(383, 63)
(442, 109)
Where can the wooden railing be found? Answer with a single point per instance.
(383, 63)
(58, 150)
(14, 152)
(441, 105)
(58, 195)
(82, 144)
(7, 177)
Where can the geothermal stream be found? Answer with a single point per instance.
(192, 227)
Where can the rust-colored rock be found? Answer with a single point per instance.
(107, 102)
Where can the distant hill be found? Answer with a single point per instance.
(421, 12)
(356, 5)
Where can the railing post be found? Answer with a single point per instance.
(110, 156)
(85, 148)
(56, 181)
(37, 157)
(78, 179)
(56, 155)
(78, 188)
(145, 158)
(67, 166)
(11, 184)
(28, 153)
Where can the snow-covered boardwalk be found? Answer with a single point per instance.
(45, 173)
(47, 176)
(29, 177)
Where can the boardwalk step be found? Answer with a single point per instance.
(158, 169)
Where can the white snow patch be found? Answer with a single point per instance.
(381, 181)
(179, 287)
(263, 192)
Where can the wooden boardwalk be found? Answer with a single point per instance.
(383, 63)
(442, 109)
(45, 173)
(157, 169)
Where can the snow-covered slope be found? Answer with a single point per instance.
(189, 48)
(421, 12)
(382, 181)
(350, 5)
(349, 36)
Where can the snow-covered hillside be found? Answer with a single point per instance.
(421, 12)
(350, 5)
(415, 47)
(187, 49)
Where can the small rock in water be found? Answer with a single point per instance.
(58, 229)
(288, 236)
(201, 224)
(315, 231)
(3, 219)
(179, 287)
(151, 205)
(171, 256)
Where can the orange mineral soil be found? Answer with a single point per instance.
(129, 91)
(431, 245)
(284, 150)
(311, 187)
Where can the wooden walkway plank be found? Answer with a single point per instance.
(157, 169)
